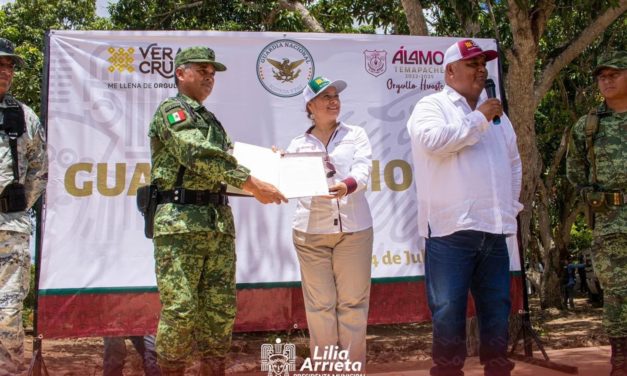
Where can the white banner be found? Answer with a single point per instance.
(105, 86)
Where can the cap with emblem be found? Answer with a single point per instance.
(614, 60)
(466, 49)
(319, 84)
(198, 54)
(7, 49)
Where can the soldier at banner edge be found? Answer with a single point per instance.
(23, 178)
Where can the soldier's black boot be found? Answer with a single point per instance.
(619, 356)
(212, 367)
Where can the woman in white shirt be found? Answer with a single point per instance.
(333, 234)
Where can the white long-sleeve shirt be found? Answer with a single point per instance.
(468, 171)
(350, 153)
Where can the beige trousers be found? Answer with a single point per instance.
(335, 272)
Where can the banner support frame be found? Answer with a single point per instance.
(37, 361)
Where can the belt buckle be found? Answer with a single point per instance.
(617, 198)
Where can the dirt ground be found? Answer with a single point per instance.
(390, 347)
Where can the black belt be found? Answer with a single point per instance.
(189, 197)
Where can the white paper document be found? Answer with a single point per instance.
(294, 174)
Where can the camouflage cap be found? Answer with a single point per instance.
(198, 54)
(7, 49)
(614, 60)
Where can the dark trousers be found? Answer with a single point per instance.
(115, 354)
(456, 264)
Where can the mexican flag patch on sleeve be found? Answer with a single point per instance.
(176, 117)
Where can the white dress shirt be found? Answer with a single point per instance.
(468, 171)
(350, 153)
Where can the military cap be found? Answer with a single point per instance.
(7, 49)
(198, 54)
(614, 60)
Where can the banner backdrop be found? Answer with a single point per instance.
(97, 268)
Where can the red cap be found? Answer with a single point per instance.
(466, 49)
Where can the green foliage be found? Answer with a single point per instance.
(29, 302)
(581, 236)
(25, 23)
(209, 15)
(348, 16)
(338, 16)
(573, 93)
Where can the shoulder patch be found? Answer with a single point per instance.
(176, 116)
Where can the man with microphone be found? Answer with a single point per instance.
(468, 178)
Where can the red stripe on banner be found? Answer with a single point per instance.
(115, 314)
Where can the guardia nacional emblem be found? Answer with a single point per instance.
(284, 67)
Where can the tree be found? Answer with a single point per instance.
(25, 22)
(241, 15)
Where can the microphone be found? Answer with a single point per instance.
(490, 89)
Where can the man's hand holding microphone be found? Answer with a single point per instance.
(492, 109)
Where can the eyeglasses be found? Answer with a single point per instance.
(330, 169)
(7, 66)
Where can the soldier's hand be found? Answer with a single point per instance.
(491, 108)
(264, 192)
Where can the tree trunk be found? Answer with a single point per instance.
(551, 287)
(520, 83)
(309, 20)
(415, 17)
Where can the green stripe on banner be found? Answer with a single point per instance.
(413, 278)
(241, 286)
(98, 290)
(267, 285)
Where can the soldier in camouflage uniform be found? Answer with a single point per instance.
(604, 192)
(193, 226)
(15, 224)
